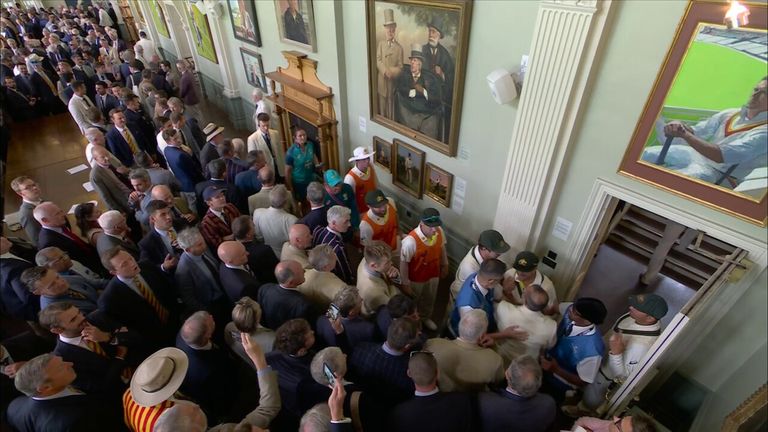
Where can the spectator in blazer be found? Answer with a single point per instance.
(197, 277)
(261, 258)
(160, 246)
(235, 276)
(55, 232)
(115, 234)
(53, 288)
(186, 168)
(30, 194)
(217, 222)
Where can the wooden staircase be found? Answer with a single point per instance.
(639, 231)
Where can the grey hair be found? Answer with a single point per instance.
(472, 325)
(109, 219)
(139, 174)
(524, 376)
(182, 416)
(188, 237)
(315, 193)
(284, 273)
(317, 419)
(334, 358)
(337, 213)
(194, 329)
(90, 132)
(321, 256)
(32, 374)
(278, 196)
(44, 256)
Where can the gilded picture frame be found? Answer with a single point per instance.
(417, 56)
(245, 25)
(254, 69)
(158, 17)
(296, 23)
(702, 141)
(201, 32)
(438, 184)
(408, 168)
(383, 155)
(750, 415)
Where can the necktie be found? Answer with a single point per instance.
(76, 295)
(96, 348)
(78, 241)
(129, 139)
(149, 296)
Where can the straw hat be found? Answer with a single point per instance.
(159, 376)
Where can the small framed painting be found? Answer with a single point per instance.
(383, 154)
(408, 168)
(254, 69)
(242, 14)
(438, 184)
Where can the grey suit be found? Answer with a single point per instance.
(194, 284)
(111, 190)
(161, 176)
(28, 222)
(106, 242)
(142, 215)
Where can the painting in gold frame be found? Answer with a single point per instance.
(424, 101)
(408, 168)
(438, 184)
(383, 155)
(684, 108)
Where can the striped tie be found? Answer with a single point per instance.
(76, 295)
(172, 236)
(129, 139)
(96, 348)
(161, 311)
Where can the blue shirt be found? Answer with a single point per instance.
(470, 295)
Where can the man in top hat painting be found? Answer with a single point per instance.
(389, 63)
(419, 96)
(438, 61)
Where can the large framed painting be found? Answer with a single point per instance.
(703, 130)
(296, 23)
(417, 56)
(158, 17)
(439, 184)
(254, 69)
(201, 32)
(408, 168)
(245, 26)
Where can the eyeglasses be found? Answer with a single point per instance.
(429, 353)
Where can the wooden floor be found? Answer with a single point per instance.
(46, 148)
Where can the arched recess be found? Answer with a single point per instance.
(179, 28)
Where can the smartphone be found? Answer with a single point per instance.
(329, 374)
(333, 312)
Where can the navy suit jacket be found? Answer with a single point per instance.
(356, 331)
(279, 305)
(153, 249)
(504, 411)
(127, 308)
(210, 378)
(86, 256)
(445, 412)
(95, 372)
(315, 218)
(110, 104)
(16, 299)
(374, 368)
(208, 153)
(238, 283)
(119, 146)
(261, 260)
(71, 413)
(185, 168)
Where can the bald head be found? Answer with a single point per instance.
(162, 193)
(101, 155)
(267, 176)
(50, 215)
(289, 273)
(299, 236)
(536, 299)
(232, 253)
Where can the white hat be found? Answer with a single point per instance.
(159, 376)
(211, 130)
(361, 153)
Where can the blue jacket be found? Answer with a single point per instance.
(470, 295)
(184, 167)
(570, 350)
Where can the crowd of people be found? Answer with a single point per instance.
(234, 284)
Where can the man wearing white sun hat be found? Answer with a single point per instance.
(362, 176)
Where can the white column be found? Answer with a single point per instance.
(216, 9)
(562, 52)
